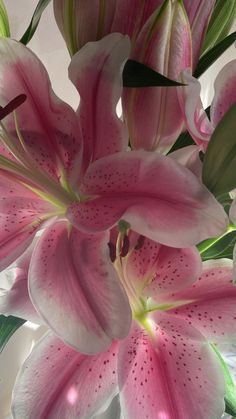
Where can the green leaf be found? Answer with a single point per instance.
(219, 173)
(222, 248)
(4, 22)
(8, 326)
(230, 395)
(211, 56)
(42, 4)
(183, 140)
(220, 23)
(136, 74)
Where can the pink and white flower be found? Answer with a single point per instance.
(197, 122)
(166, 367)
(70, 174)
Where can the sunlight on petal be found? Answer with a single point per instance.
(72, 395)
(119, 109)
(163, 415)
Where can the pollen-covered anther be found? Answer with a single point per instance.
(124, 246)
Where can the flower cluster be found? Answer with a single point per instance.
(103, 224)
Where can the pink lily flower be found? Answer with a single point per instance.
(166, 367)
(50, 178)
(197, 122)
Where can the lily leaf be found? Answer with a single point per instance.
(8, 326)
(4, 22)
(211, 56)
(183, 140)
(136, 74)
(220, 23)
(222, 248)
(219, 173)
(230, 396)
(42, 4)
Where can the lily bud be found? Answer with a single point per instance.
(199, 13)
(82, 21)
(153, 114)
(130, 16)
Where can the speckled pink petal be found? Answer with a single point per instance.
(196, 119)
(49, 127)
(225, 92)
(16, 300)
(21, 215)
(210, 302)
(174, 374)
(158, 270)
(153, 115)
(159, 198)
(58, 382)
(76, 289)
(96, 71)
(199, 13)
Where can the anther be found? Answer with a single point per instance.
(125, 246)
(112, 251)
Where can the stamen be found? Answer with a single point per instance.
(125, 246)
(19, 135)
(112, 251)
(12, 105)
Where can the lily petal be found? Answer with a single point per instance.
(112, 412)
(79, 387)
(155, 194)
(173, 374)
(21, 214)
(130, 16)
(196, 119)
(232, 211)
(164, 44)
(81, 21)
(96, 71)
(225, 92)
(210, 302)
(49, 127)
(158, 269)
(16, 301)
(75, 288)
(199, 13)
(189, 157)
